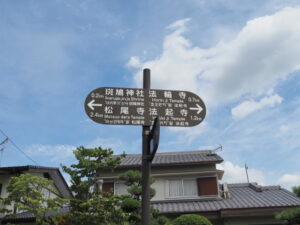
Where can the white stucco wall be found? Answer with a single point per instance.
(4, 181)
(159, 186)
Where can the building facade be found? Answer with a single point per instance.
(59, 185)
(189, 182)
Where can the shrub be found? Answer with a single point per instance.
(289, 215)
(191, 219)
(153, 221)
(162, 220)
(130, 205)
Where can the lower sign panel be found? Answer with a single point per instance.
(130, 106)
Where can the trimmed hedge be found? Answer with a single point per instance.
(191, 219)
(130, 205)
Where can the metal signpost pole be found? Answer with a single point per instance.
(146, 164)
(136, 106)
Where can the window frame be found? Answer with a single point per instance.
(167, 193)
(119, 182)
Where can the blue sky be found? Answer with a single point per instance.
(241, 57)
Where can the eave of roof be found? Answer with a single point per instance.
(174, 158)
(24, 168)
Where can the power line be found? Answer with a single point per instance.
(2, 147)
(4, 141)
(18, 148)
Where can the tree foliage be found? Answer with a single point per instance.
(191, 219)
(31, 193)
(162, 220)
(296, 191)
(89, 206)
(291, 216)
(84, 174)
(132, 205)
(133, 179)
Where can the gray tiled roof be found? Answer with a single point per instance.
(174, 158)
(242, 196)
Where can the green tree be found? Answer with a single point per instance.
(191, 219)
(133, 179)
(296, 191)
(30, 193)
(291, 216)
(89, 206)
(132, 204)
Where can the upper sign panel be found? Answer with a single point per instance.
(131, 106)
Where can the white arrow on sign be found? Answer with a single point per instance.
(198, 108)
(91, 104)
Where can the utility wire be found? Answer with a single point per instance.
(18, 148)
(2, 148)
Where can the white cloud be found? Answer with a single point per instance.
(247, 107)
(54, 153)
(236, 174)
(284, 128)
(115, 144)
(134, 62)
(289, 180)
(264, 51)
(64, 153)
(188, 134)
(179, 25)
(176, 67)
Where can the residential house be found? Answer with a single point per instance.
(189, 182)
(59, 184)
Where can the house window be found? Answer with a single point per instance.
(108, 187)
(182, 187)
(207, 186)
(120, 188)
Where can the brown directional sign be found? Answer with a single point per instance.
(132, 106)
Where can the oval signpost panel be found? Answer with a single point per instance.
(132, 106)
